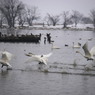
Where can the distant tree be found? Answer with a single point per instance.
(86, 20)
(10, 9)
(46, 20)
(1, 20)
(53, 19)
(76, 17)
(32, 14)
(22, 18)
(92, 16)
(66, 18)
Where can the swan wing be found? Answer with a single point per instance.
(44, 61)
(32, 55)
(3, 62)
(34, 58)
(85, 48)
(9, 64)
(38, 56)
(6, 56)
(48, 55)
(92, 51)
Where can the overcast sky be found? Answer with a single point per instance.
(58, 6)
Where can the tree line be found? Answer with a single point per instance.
(14, 12)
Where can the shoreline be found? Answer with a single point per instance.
(64, 29)
(57, 27)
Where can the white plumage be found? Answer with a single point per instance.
(76, 46)
(54, 47)
(38, 58)
(89, 55)
(5, 58)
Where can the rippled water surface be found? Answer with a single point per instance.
(60, 77)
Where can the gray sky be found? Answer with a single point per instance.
(58, 6)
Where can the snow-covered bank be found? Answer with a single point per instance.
(85, 27)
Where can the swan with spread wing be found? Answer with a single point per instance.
(39, 58)
(89, 54)
(5, 59)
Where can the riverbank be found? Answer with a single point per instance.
(80, 27)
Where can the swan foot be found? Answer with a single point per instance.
(40, 62)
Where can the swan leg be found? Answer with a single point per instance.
(2, 66)
(40, 62)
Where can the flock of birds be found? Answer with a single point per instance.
(43, 59)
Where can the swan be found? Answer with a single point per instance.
(54, 47)
(76, 46)
(89, 55)
(39, 58)
(5, 58)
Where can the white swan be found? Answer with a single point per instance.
(89, 55)
(38, 58)
(54, 47)
(76, 46)
(5, 58)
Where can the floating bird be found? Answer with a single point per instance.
(80, 38)
(5, 58)
(90, 39)
(76, 46)
(66, 45)
(39, 58)
(89, 55)
(54, 47)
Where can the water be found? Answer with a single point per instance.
(28, 79)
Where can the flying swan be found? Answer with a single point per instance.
(89, 55)
(39, 58)
(5, 58)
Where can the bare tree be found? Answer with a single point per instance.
(22, 18)
(66, 18)
(92, 16)
(32, 14)
(53, 19)
(1, 20)
(76, 17)
(10, 9)
(86, 20)
(46, 20)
